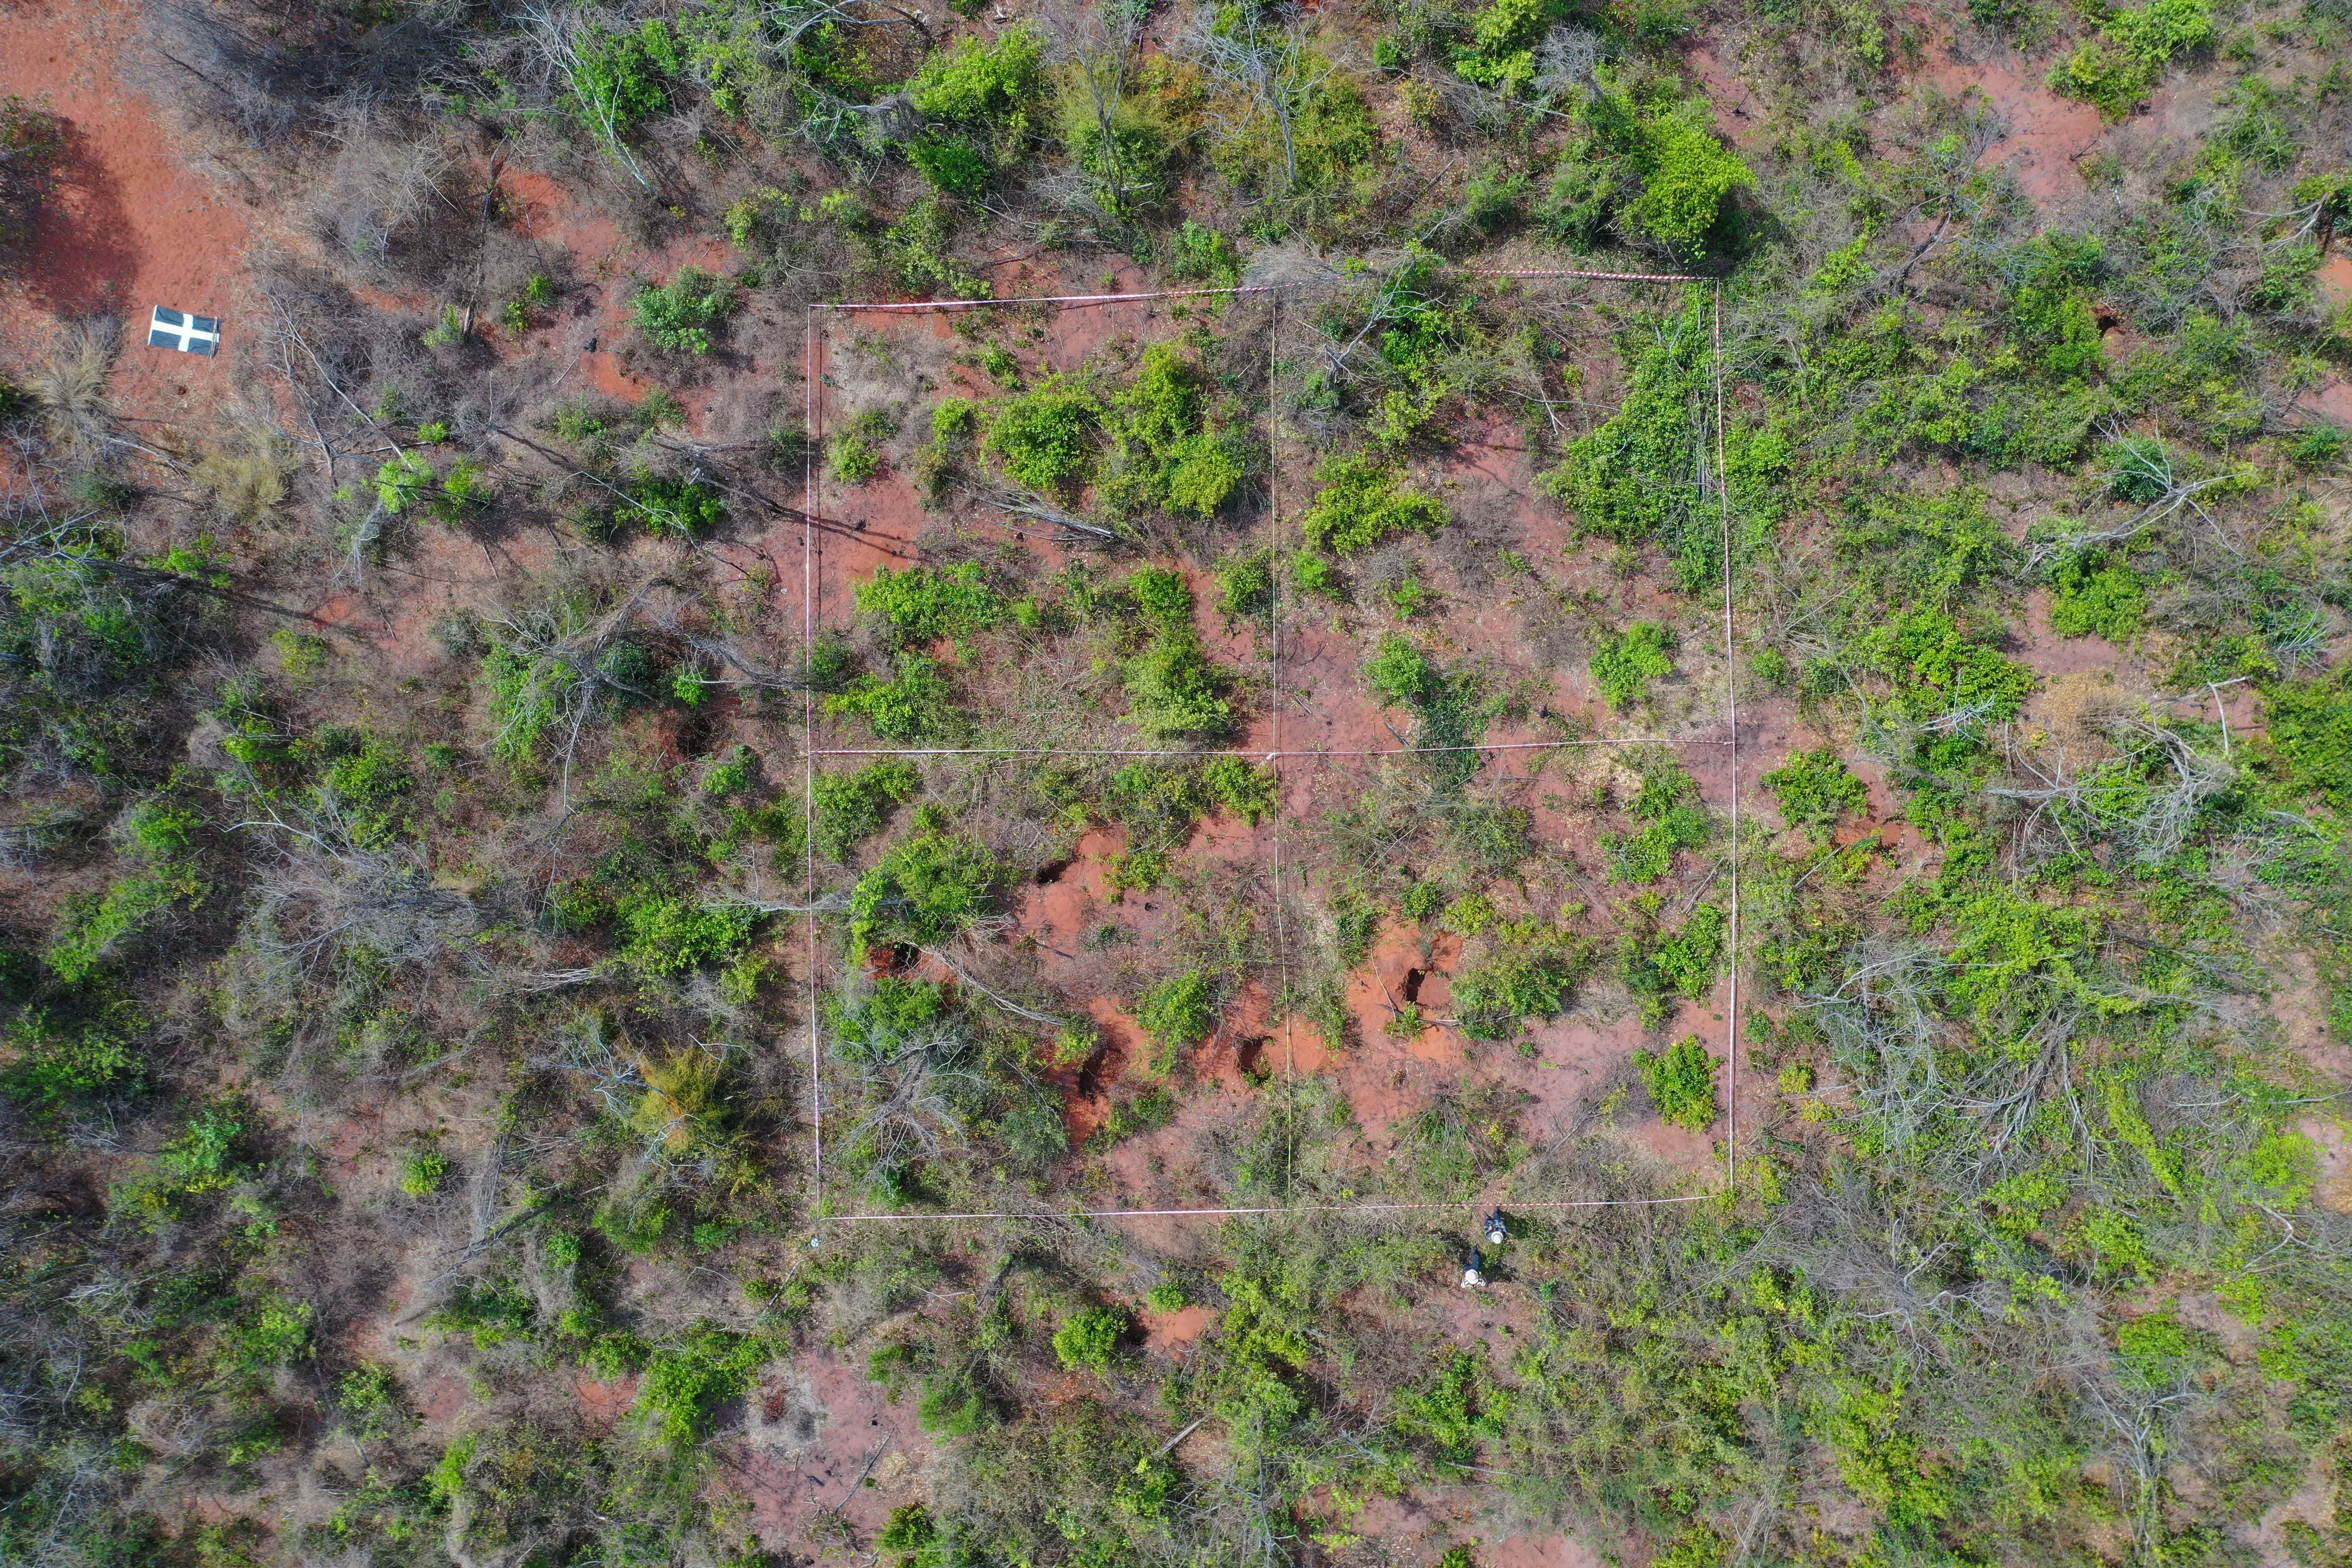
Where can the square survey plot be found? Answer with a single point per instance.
(169, 329)
(1502, 496)
(1121, 692)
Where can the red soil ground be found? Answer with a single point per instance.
(134, 226)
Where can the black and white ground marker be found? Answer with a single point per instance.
(189, 334)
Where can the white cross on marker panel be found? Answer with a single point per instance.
(189, 334)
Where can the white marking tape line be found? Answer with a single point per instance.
(1479, 1204)
(1261, 756)
(811, 751)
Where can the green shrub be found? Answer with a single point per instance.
(681, 315)
(1649, 854)
(400, 482)
(271, 1331)
(950, 1407)
(1246, 790)
(924, 891)
(909, 1530)
(1204, 255)
(1494, 995)
(162, 831)
(1658, 967)
(951, 163)
(1174, 692)
(1312, 573)
(618, 80)
(666, 934)
(1624, 666)
(1937, 670)
(1161, 595)
(369, 1398)
(636, 1222)
(1815, 788)
(686, 1381)
(2311, 726)
(1686, 174)
(917, 705)
(1401, 674)
(978, 81)
(89, 929)
(1166, 453)
(1363, 502)
(1501, 51)
(893, 1016)
(1089, 1338)
(926, 604)
(1179, 1013)
(1629, 481)
(1681, 1083)
(852, 807)
(2289, 279)
(2096, 596)
(1167, 1296)
(2115, 69)
(1045, 438)
(678, 505)
(366, 790)
(60, 1056)
(1246, 584)
(421, 1173)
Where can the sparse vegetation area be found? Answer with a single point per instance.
(1138, 928)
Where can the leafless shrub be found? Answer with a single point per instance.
(41, 831)
(71, 387)
(2147, 800)
(219, 75)
(383, 195)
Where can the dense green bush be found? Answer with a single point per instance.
(669, 935)
(2115, 69)
(1666, 154)
(982, 82)
(1658, 966)
(925, 891)
(1089, 1338)
(1363, 502)
(1045, 438)
(1624, 666)
(925, 604)
(2096, 595)
(1166, 450)
(682, 314)
(1179, 1013)
(1631, 480)
(686, 1381)
(1496, 995)
(1176, 692)
(1815, 788)
(621, 74)
(951, 163)
(1681, 1081)
(917, 704)
(853, 807)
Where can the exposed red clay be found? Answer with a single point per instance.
(132, 225)
(1170, 1332)
(2045, 135)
